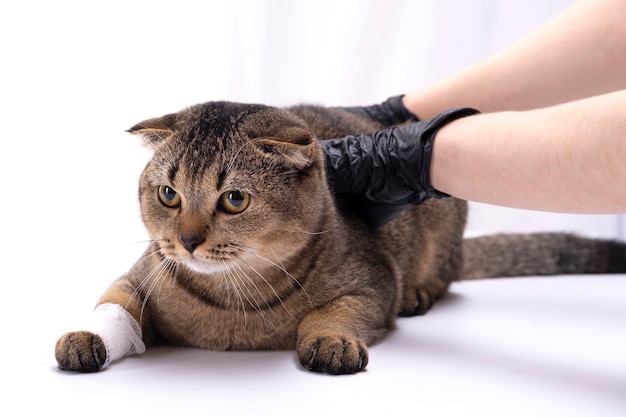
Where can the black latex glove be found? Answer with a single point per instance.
(383, 173)
(390, 112)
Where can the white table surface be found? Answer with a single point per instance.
(548, 346)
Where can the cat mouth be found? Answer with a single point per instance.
(207, 267)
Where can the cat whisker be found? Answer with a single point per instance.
(319, 233)
(158, 272)
(148, 241)
(280, 267)
(165, 270)
(147, 255)
(267, 283)
(233, 283)
(137, 290)
(255, 305)
(252, 300)
(169, 269)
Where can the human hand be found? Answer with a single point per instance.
(388, 170)
(390, 112)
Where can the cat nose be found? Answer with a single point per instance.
(191, 242)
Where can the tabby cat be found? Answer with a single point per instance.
(250, 249)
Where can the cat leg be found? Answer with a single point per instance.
(419, 297)
(429, 280)
(334, 338)
(112, 333)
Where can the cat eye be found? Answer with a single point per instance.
(234, 202)
(168, 196)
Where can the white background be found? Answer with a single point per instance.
(75, 75)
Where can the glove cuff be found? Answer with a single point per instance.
(429, 132)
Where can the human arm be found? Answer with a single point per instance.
(565, 158)
(579, 53)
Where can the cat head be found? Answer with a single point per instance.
(232, 186)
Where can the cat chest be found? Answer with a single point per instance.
(186, 320)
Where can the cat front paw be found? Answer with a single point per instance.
(416, 303)
(333, 355)
(80, 352)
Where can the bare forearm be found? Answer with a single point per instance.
(581, 52)
(566, 158)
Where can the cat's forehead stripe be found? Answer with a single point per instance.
(171, 174)
(220, 179)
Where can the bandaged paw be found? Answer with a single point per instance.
(119, 331)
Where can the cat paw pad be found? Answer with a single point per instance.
(333, 355)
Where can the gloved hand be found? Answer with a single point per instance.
(385, 172)
(390, 112)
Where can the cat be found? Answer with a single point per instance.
(250, 249)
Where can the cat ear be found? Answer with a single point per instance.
(156, 130)
(295, 145)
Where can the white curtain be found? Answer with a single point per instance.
(76, 74)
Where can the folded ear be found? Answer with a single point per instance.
(294, 145)
(157, 130)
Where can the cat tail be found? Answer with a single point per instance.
(506, 255)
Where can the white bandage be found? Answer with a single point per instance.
(119, 331)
